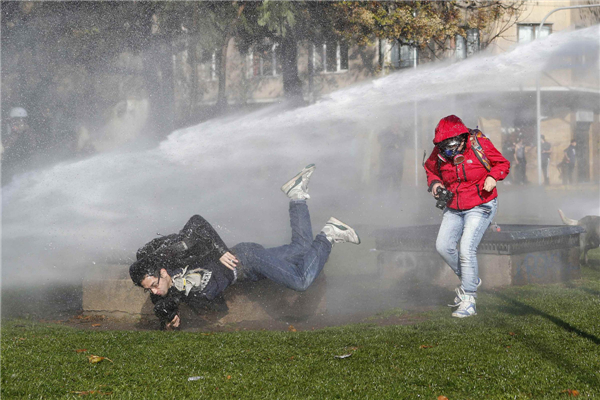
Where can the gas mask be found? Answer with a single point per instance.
(451, 149)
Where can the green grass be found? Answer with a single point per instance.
(533, 342)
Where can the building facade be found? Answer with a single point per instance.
(569, 91)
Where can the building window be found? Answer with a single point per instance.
(466, 47)
(527, 32)
(264, 59)
(402, 55)
(330, 57)
(208, 66)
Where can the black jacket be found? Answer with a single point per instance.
(196, 250)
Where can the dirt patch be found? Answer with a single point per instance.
(202, 324)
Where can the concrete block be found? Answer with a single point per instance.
(495, 270)
(108, 290)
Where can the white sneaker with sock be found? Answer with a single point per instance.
(466, 307)
(297, 187)
(457, 299)
(338, 232)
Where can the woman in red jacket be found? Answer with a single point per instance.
(455, 166)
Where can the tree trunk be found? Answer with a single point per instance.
(311, 73)
(222, 72)
(292, 86)
(193, 60)
(158, 74)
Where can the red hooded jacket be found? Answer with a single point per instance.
(464, 180)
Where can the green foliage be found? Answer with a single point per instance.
(419, 22)
(527, 342)
(278, 16)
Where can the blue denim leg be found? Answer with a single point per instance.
(467, 226)
(302, 236)
(477, 220)
(448, 236)
(295, 265)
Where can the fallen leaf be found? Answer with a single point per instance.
(571, 392)
(87, 392)
(228, 376)
(96, 325)
(96, 359)
(442, 398)
(425, 346)
(80, 350)
(512, 334)
(291, 328)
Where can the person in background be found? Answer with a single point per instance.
(546, 152)
(521, 162)
(196, 266)
(454, 165)
(568, 163)
(391, 165)
(508, 150)
(19, 144)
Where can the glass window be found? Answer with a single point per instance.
(527, 32)
(402, 56)
(461, 47)
(407, 56)
(472, 41)
(343, 47)
(330, 56)
(208, 65)
(264, 59)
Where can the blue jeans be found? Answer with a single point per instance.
(468, 226)
(295, 265)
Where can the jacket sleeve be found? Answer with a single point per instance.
(166, 308)
(500, 165)
(204, 241)
(431, 169)
(200, 304)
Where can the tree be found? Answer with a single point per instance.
(215, 27)
(285, 24)
(426, 24)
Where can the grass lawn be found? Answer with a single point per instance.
(540, 342)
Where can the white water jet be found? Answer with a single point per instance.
(63, 219)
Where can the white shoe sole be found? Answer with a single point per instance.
(345, 227)
(297, 179)
(463, 315)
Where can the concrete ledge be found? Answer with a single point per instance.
(108, 291)
(549, 266)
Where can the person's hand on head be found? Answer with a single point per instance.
(229, 260)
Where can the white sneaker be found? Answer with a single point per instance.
(297, 187)
(338, 232)
(466, 308)
(457, 299)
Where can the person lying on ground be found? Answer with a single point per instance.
(195, 266)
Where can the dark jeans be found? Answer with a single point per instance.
(521, 171)
(567, 175)
(295, 265)
(545, 161)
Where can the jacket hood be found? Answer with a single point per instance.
(448, 127)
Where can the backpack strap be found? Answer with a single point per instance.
(474, 136)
